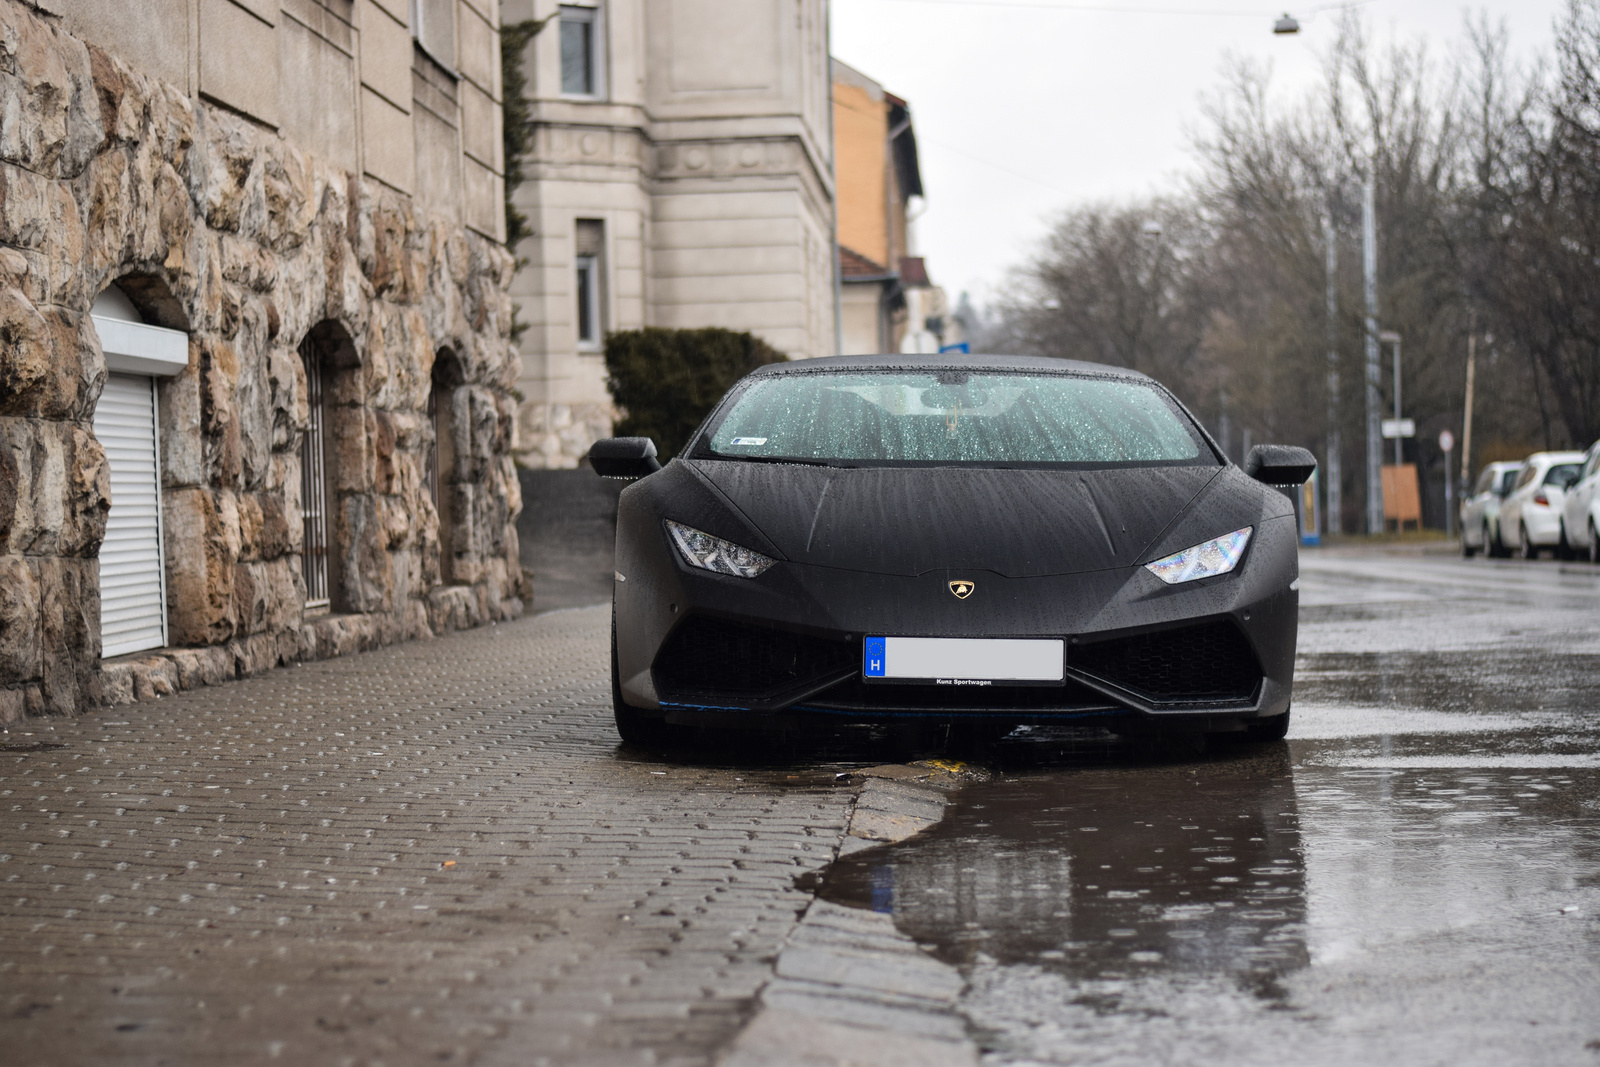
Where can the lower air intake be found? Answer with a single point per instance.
(712, 660)
(1211, 663)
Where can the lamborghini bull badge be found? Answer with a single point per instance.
(962, 589)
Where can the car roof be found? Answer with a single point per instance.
(1553, 458)
(946, 361)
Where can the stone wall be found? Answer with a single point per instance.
(217, 226)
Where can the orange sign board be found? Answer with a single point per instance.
(1402, 501)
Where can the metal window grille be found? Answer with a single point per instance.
(314, 484)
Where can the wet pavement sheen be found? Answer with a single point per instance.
(1413, 877)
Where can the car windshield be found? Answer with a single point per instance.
(889, 417)
(1507, 481)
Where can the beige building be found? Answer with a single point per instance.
(681, 176)
(256, 381)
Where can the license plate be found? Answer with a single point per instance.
(964, 660)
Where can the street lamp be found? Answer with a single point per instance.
(1389, 337)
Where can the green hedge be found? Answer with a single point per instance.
(667, 381)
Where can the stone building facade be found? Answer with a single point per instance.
(278, 222)
(681, 176)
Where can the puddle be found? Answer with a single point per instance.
(1254, 903)
(1103, 872)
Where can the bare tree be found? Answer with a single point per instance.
(1488, 211)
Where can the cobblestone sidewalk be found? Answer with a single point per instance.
(432, 853)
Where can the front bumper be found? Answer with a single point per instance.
(694, 644)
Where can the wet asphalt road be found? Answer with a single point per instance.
(1412, 878)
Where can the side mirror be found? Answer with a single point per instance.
(1280, 464)
(624, 457)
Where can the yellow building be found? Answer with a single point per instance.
(887, 303)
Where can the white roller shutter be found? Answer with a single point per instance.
(133, 613)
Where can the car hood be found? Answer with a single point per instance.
(1017, 523)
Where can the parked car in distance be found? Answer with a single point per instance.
(1581, 513)
(1530, 518)
(1481, 509)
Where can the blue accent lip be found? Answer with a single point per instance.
(872, 657)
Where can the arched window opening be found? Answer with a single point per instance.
(133, 589)
(325, 354)
(441, 459)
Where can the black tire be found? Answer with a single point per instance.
(1564, 546)
(1467, 551)
(1273, 729)
(1594, 543)
(636, 726)
(1493, 546)
(1529, 549)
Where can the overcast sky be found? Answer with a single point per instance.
(1025, 107)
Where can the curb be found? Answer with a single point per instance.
(849, 989)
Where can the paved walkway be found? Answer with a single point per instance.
(432, 853)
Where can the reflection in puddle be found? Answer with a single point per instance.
(1106, 872)
(1268, 906)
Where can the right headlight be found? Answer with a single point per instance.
(1205, 560)
(700, 549)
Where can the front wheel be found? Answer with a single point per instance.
(636, 726)
(1467, 551)
(1594, 543)
(1529, 549)
(1273, 729)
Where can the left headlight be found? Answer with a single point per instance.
(713, 554)
(1205, 560)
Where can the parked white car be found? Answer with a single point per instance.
(1530, 518)
(1479, 532)
(1580, 516)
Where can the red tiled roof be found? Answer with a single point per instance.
(855, 265)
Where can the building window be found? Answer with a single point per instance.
(434, 27)
(590, 248)
(581, 68)
(314, 482)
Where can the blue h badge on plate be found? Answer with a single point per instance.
(872, 658)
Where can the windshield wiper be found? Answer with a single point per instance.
(776, 459)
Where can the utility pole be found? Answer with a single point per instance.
(1398, 440)
(1466, 421)
(1333, 521)
(1389, 337)
(1369, 258)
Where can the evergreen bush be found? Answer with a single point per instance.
(667, 381)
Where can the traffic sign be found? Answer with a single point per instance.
(1399, 427)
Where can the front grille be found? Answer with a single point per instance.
(707, 659)
(1205, 664)
(856, 695)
